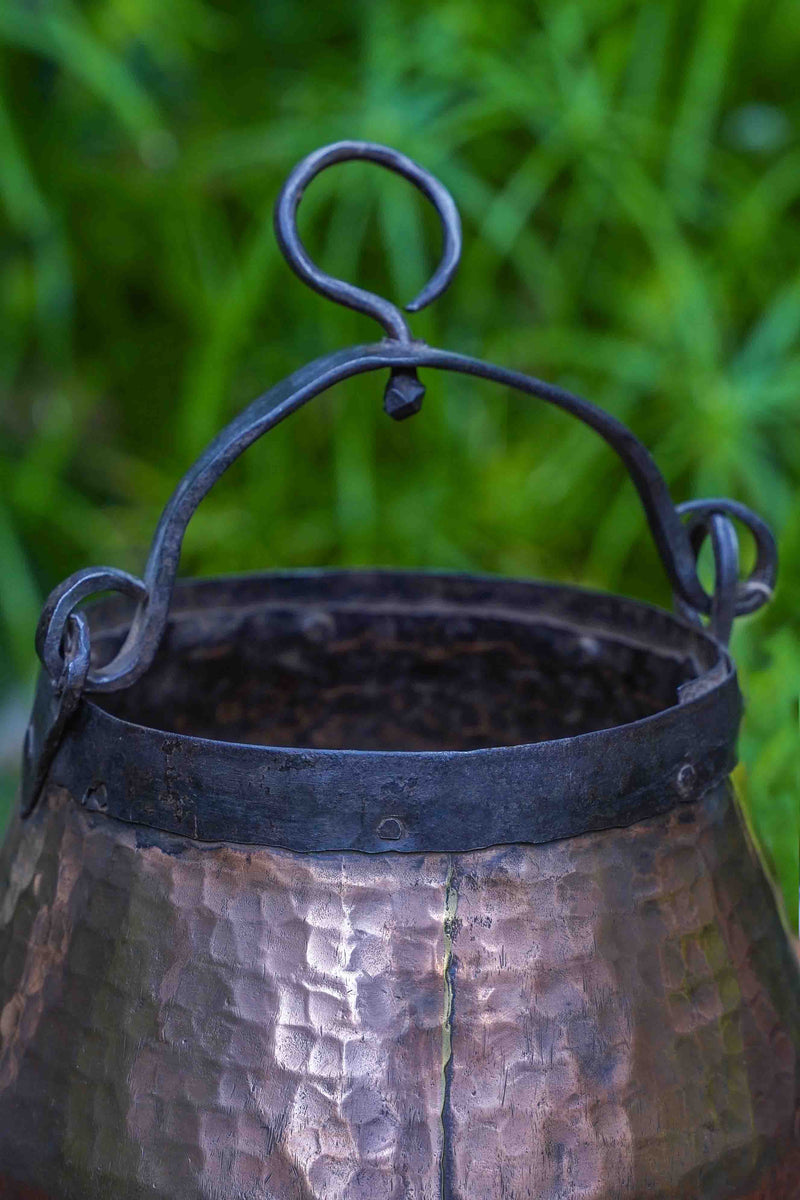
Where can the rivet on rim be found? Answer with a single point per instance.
(390, 829)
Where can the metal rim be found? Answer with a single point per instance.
(410, 801)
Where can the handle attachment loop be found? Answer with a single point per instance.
(732, 596)
(56, 701)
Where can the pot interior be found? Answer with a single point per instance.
(377, 668)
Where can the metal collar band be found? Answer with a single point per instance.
(318, 799)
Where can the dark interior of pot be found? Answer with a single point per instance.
(384, 673)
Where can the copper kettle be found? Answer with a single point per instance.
(393, 886)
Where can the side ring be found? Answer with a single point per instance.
(725, 544)
(755, 591)
(60, 607)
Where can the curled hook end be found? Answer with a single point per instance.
(422, 300)
(433, 288)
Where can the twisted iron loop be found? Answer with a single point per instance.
(677, 543)
(725, 545)
(76, 656)
(59, 619)
(732, 596)
(338, 290)
(60, 697)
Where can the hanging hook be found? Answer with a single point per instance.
(348, 294)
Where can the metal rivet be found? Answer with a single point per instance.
(317, 626)
(390, 829)
(687, 778)
(95, 798)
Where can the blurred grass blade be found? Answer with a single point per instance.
(58, 31)
(19, 596)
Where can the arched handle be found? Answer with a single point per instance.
(338, 290)
(678, 554)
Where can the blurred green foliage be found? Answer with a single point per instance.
(629, 177)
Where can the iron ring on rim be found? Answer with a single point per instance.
(59, 610)
(755, 591)
(77, 651)
(725, 543)
(349, 294)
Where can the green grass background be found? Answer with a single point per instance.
(629, 179)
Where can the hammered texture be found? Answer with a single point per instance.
(609, 1017)
(614, 993)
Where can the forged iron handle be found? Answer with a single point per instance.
(154, 591)
(676, 542)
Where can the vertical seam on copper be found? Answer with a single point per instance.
(449, 979)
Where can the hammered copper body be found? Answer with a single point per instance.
(608, 1016)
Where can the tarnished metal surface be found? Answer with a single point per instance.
(578, 711)
(612, 1016)
(626, 1022)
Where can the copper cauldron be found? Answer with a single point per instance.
(390, 886)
